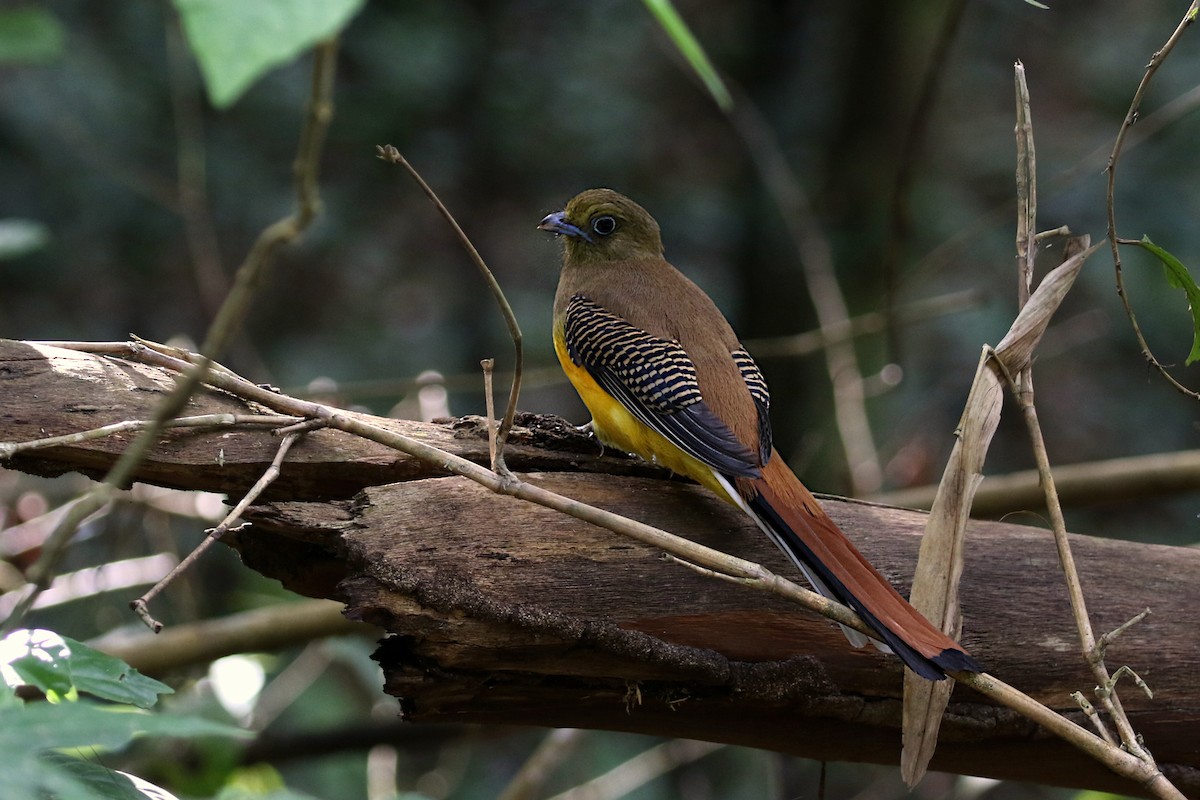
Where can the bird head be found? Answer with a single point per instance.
(600, 224)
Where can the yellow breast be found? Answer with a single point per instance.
(617, 427)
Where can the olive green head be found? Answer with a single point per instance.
(600, 224)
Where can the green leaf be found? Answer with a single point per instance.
(57, 664)
(691, 50)
(238, 41)
(44, 662)
(1179, 277)
(100, 781)
(28, 732)
(110, 678)
(30, 36)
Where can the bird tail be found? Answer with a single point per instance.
(793, 519)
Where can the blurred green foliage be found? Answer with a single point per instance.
(144, 198)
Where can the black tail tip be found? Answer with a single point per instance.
(956, 661)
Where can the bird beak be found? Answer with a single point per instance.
(557, 223)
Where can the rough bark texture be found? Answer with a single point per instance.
(505, 612)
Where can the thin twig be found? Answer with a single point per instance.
(392, 155)
(1131, 117)
(9, 449)
(141, 604)
(711, 573)
(1108, 638)
(1089, 711)
(489, 404)
(1022, 390)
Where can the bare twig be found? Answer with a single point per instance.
(489, 404)
(1022, 388)
(1089, 711)
(1026, 191)
(1110, 637)
(392, 155)
(9, 449)
(1131, 117)
(141, 604)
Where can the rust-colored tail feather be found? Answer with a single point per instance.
(801, 528)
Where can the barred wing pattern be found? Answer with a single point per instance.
(757, 385)
(655, 380)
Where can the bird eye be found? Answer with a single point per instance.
(604, 225)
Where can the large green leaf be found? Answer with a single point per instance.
(28, 732)
(103, 676)
(1179, 277)
(238, 41)
(57, 664)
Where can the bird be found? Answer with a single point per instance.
(665, 377)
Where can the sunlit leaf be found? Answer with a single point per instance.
(691, 50)
(40, 658)
(58, 665)
(237, 42)
(110, 678)
(1179, 277)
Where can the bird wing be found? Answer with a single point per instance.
(655, 380)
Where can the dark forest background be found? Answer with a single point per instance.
(127, 200)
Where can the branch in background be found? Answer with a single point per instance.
(228, 322)
(816, 259)
(196, 644)
(554, 749)
(788, 346)
(198, 229)
(899, 213)
(1096, 482)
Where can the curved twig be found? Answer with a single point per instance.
(391, 154)
(1131, 116)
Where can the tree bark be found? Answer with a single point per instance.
(505, 612)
